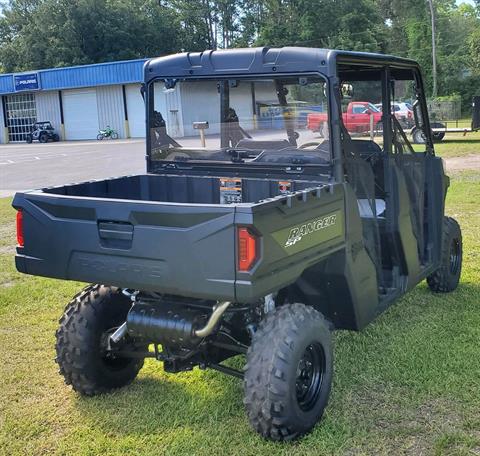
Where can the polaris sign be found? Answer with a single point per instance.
(26, 81)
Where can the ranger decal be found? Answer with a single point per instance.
(297, 233)
(310, 233)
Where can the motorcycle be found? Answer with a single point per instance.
(107, 133)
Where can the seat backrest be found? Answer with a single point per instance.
(247, 143)
(365, 147)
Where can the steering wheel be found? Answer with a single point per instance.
(310, 144)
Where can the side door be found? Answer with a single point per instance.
(418, 167)
(380, 177)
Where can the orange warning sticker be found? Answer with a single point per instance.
(230, 190)
(284, 186)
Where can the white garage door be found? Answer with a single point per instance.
(80, 114)
(136, 111)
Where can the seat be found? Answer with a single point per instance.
(247, 143)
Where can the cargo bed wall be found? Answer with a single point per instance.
(181, 189)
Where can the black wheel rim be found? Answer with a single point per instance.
(310, 372)
(454, 256)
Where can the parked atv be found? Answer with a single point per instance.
(258, 245)
(107, 133)
(42, 132)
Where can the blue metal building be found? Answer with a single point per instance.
(78, 100)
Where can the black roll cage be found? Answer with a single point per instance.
(383, 63)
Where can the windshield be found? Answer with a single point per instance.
(279, 121)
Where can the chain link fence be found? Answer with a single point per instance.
(445, 110)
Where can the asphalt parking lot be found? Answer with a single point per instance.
(29, 166)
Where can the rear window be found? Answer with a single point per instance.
(276, 121)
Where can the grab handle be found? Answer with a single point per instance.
(117, 231)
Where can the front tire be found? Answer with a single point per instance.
(86, 324)
(100, 136)
(447, 276)
(418, 137)
(288, 375)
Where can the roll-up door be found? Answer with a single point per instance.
(136, 111)
(80, 114)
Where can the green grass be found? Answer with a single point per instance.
(408, 384)
(456, 145)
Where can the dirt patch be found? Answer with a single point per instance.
(7, 249)
(466, 162)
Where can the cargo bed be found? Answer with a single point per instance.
(174, 234)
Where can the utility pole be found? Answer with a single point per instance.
(434, 50)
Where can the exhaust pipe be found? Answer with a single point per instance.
(119, 333)
(218, 311)
(169, 325)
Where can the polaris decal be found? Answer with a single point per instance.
(310, 233)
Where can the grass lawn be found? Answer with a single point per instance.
(455, 145)
(408, 384)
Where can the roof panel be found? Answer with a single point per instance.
(121, 72)
(261, 60)
(6, 83)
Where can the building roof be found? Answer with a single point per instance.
(121, 72)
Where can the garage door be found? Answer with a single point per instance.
(136, 111)
(80, 114)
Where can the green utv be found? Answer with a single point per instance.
(249, 233)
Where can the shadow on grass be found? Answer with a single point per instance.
(412, 354)
(460, 140)
(158, 402)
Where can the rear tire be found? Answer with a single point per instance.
(289, 371)
(88, 321)
(437, 135)
(43, 138)
(447, 276)
(114, 135)
(29, 139)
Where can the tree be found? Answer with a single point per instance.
(52, 33)
(343, 24)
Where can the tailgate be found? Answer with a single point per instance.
(183, 249)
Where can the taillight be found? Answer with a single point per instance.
(20, 240)
(247, 249)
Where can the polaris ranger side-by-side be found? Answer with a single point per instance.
(250, 233)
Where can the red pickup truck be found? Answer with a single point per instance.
(356, 118)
